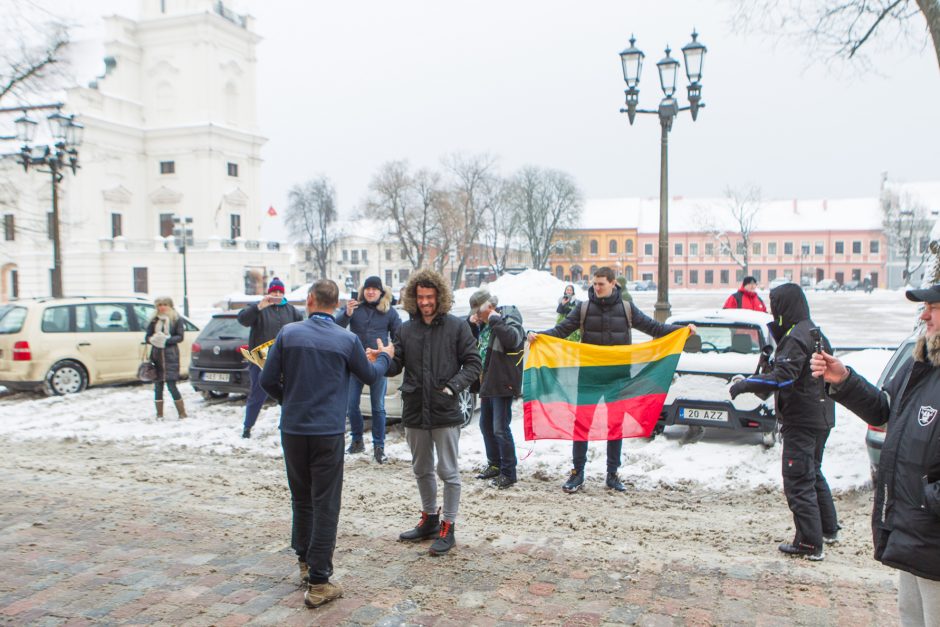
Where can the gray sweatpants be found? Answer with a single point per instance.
(918, 600)
(423, 443)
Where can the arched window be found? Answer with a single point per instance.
(629, 246)
(613, 247)
(629, 276)
(593, 270)
(593, 246)
(560, 273)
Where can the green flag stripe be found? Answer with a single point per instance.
(588, 386)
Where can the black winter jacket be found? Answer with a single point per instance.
(372, 321)
(265, 323)
(433, 356)
(606, 321)
(502, 368)
(797, 392)
(906, 514)
(167, 359)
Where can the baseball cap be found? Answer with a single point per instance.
(479, 298)
(927, 295)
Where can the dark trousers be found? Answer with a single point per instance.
(808, 495)
(315, 476)
(495, 416)
(170, 385)
(256, 396)
(579, 454)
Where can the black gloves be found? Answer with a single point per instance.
(738, 387)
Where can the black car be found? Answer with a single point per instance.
(217, 368)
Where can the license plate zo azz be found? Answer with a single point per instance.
(712, 415)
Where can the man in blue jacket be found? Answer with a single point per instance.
(308, 371)
(371, 318)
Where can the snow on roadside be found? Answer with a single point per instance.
(125, 415)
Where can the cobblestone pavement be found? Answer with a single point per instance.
(109, 535)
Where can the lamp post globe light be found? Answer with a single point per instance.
(631, 60)
(67, 133)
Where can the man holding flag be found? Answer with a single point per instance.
(626, 404)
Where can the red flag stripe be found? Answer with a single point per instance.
(629, 418)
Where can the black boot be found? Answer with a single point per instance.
(429, 525)
(801, 549)
(445, 541)
(614, 483)
(246, 433)
(356, 446)
(575, 481)
(379, 453)
(490, 472)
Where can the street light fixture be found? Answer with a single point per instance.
(632, 61)
(68, 134)
(183, 234)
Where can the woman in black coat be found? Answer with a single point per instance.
(164, 333)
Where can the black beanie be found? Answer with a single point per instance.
(373, 281)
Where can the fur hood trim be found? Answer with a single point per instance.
(427, 278)
(385, 301)
(927, 350)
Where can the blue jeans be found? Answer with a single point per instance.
(579, 454)
(256, 396)
(377, 396)
(495, 416)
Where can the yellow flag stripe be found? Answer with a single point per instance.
(553, 352)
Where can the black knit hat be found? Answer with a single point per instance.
(373, 281)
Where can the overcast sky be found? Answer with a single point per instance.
(346, 86)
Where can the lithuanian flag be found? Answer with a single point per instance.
(581, 392)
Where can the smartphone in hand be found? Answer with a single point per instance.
(354, 295)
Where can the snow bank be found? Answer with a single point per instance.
(125, 414)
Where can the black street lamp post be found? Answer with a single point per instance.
(183, 234)
(67, 133)
(632, 61)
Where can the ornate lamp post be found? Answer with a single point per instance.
(632, 61)
(67, 133)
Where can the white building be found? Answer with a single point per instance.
(170, 130)
(366, 248)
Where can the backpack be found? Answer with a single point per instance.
(627, 311)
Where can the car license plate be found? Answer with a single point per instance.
(712, 415)
(221, 377)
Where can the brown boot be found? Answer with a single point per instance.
(180, 408)
(159, 405)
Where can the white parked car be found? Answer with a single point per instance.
(728, 346)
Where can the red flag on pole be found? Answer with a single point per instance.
(271, 211)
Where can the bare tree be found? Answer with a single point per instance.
(311, 219)
(473, 191)
(408, 203)
(907, 227)
(845, 28)
(742, 207)
(34, 49)
(500, 228)
(546, 201)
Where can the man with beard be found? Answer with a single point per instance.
(906, 514)
(438, 354)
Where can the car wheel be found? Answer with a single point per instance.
(212, 395)
(468, 404)
(65, 377)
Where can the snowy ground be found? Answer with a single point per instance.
(125, 413)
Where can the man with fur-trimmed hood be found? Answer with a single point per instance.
(371, 317)
(439, 357)
(906, 515)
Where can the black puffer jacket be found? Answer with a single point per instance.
(797, 392)
(606, 321)
(433, 356)
(167, 359)
(265, 323)
(906, 514)
(502, 365)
